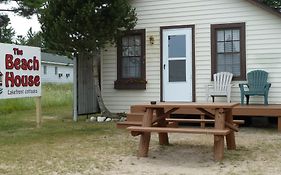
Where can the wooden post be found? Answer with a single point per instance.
(75, 89)
(218, 139)
(145, 137)
(230, 138)
(279, 124)
(163, 137)
(38, 112)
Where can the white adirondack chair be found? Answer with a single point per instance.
(221, 86)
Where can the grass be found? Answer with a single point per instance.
(52, 96)
(60, 146)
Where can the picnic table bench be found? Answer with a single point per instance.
(222, 117)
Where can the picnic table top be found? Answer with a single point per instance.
(188, 105)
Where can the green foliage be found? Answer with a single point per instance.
(31, 39)
(85, 25)
(273, 3)
(6, 32)
(25, 8)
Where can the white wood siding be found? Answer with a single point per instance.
(263, 46)
(51, 77)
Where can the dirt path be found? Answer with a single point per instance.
(258, 153)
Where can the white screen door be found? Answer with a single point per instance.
(177, 65)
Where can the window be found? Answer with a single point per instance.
(56, 70)
(45, 69)
(228, 49)
(131, 61)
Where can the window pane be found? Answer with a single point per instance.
(125, 51)
(220, 68)
(220, 47)
(236, 58)
(228, 68)
(125, 41)
(131, 67)
(236, 69)
(236, 64)
(131, 51)
(228, 46)
(236, 34)
(220, 35)
(228, 35)
(236, 46)
(137, 51)
(221, 59)
(137, 40)
(177, 46)
(131, 40)
(228, 59)
(177, 71)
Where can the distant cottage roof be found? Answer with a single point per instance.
(265, 7)
(55, 59)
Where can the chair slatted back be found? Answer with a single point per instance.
(257, 80)
(222, 80)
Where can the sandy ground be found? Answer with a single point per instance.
(258, 153)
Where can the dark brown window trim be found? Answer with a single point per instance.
(131, 83)
(240, 26)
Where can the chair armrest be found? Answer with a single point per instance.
(267, 86)
(242, 85)
(208, 87)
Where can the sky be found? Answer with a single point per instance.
(20, 24)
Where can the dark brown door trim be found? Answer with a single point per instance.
(193, 58)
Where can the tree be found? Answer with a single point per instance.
(34, 39)
(6, 33)
(25, 8)
(273, 3)
(83, 27)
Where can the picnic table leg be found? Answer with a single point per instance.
(145, 137)
(163, 137)
(279, 124)
(202, 124)
(218, 139)
(230, 138)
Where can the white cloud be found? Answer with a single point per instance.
(20, 24)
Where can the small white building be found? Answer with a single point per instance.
(56, 68)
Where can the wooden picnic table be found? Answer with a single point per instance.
(222, 114)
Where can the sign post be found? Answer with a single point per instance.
(20, 74)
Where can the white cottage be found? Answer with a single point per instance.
(177, 46)
(56, 68)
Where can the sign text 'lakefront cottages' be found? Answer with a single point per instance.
(20, 71)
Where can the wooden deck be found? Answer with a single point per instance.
(251, 110)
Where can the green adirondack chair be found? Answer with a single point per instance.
(257, 85)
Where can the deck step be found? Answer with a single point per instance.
(137, 130)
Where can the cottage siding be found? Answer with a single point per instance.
(263, 46)
(51, 77)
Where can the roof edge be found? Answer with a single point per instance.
(265, 7)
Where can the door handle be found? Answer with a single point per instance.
(164, 66)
